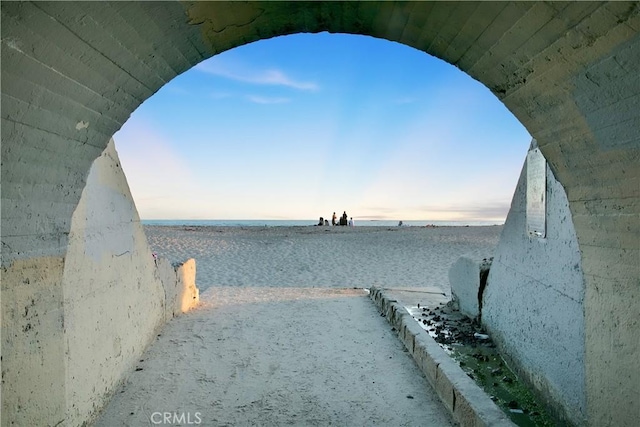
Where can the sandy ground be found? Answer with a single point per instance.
(285, 334)
(323, 256)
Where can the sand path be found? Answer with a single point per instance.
(283, 338)
(274, 357)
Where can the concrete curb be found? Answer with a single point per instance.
(466, 401)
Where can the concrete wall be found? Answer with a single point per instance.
(113, 300)
(33, 377)
(179, 283)
(468, 278)
(67, 347)
(533, 304)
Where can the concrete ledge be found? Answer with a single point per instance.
(468, 404)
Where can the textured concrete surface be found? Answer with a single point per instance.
(113, 300)
(179, 282)
(72, 73)
(66, 346)
(468, 404)
(467, 278)
(33, 353)
(533, 305)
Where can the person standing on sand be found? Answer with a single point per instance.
(343, 220)
(333, 220)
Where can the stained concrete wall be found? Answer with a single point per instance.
(72, 73)
(33, 377)
(179, 283)
(533, 304)
(66, 349)
(113, 300)
(468, 278)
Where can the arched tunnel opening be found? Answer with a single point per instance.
(304, 124)
(285, 128)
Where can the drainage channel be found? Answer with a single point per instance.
(469, 345)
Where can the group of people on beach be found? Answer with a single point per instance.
(334, 220)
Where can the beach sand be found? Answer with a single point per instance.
(336, 257)
(285, 334)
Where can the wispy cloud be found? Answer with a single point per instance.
(271, 77)
(482, 211)
(267, 100)
(479, 210)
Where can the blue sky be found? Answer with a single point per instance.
(300, 126)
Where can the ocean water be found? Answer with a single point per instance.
(305, 222)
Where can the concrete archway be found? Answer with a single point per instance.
(72, 73)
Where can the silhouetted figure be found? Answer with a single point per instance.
(343, 219)
(333, 220)
(321, 222)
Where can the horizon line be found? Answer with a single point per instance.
(312, 219)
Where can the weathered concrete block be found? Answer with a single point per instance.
(428, 365)
(179, 282)
(188, 294)
(468, 277)
(444, 389)
(463, 412)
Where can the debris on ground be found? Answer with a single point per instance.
(469, 344)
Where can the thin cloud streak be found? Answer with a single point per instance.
(271, 77)
(484, 210)
(267, 101)
(473, 211)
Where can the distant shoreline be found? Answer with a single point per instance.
(302, 223)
